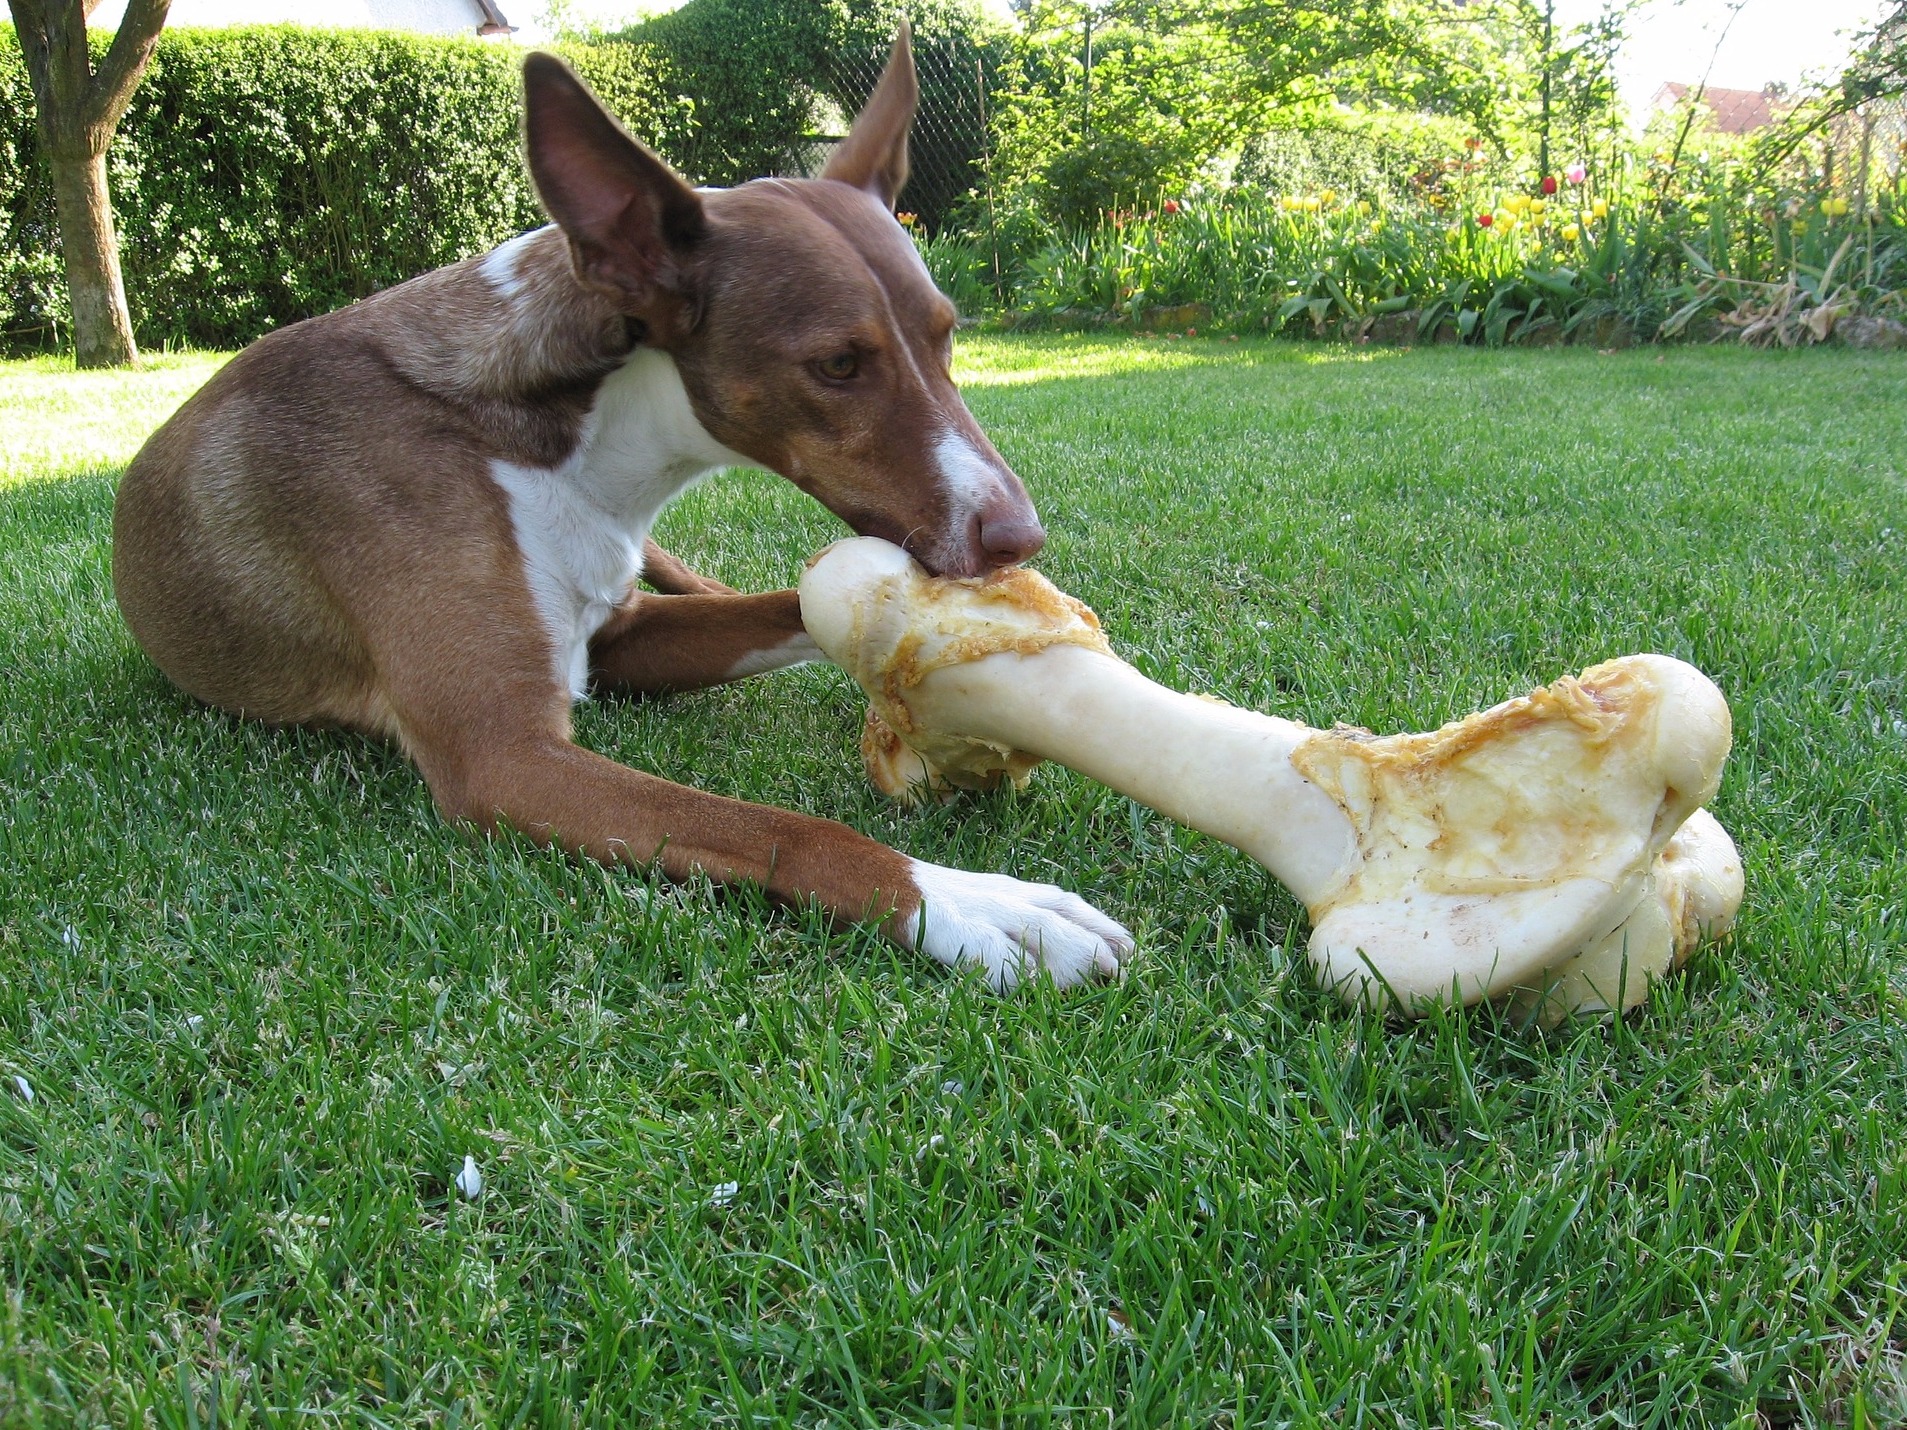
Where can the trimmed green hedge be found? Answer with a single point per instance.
(267, 174)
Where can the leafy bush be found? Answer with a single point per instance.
(1149, 129)
(750, 65)
(267, 174)
(1379, 156)
(32, 281)
(764, 73)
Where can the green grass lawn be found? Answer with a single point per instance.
(740, 1169)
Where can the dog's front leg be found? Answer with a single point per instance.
(558, 793)
(495, 750)
(670, 643)
(673, 576)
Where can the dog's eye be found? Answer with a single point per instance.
(840, 367)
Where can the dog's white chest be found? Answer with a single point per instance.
(579, 563)
(580, 525)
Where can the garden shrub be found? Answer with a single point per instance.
(263, 175)
(751, 65)
(1154, 127)
(268, 174)
(1374, 156)
(32, 281)
(767, 77)
(961, 266)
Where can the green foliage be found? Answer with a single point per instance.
(267, 174)
(750, 66)
(1323, 262)
(961, 267)
(1175, 89)
(1557, 94)
(767, 77)
(1377, 156)
(1145, 129)
(1373, 215)
(32, 281)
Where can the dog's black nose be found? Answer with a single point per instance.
(1009, 540)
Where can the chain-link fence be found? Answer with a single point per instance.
(948, 144)
(1869, 146)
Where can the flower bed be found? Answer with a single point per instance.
(1563, 258)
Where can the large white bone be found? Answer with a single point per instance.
(1552, 848)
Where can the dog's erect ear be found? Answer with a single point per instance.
(630, 218)
(874, 155)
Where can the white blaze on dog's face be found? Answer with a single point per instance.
(808, 333)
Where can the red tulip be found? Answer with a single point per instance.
(1549, 183)
(1485, 220)
(1171, 206)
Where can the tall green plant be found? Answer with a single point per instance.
(1500, 266)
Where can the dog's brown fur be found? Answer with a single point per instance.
(317, 535)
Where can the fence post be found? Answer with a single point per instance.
(986, 175)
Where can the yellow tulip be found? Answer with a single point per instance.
(1537, 206)
(1571, 233)
(1310, 205)
(1600, 209)
(1328, 197)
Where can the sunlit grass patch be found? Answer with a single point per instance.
(739, 1168)
(55, 422)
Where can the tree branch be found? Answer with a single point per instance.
(125, 62)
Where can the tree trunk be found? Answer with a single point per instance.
(102, 324)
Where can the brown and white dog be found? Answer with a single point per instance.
(423, 516)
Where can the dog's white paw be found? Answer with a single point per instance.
(1011, 928)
